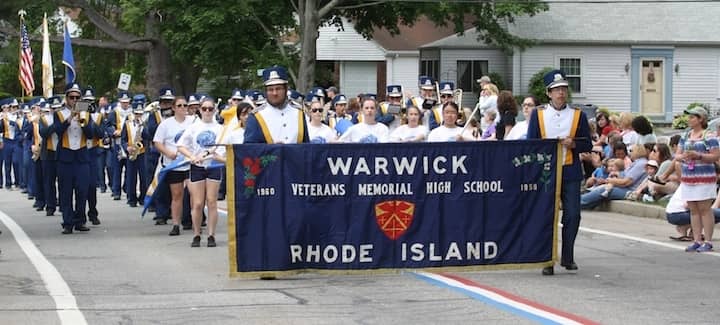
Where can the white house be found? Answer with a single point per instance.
(370, 65)
(649, 58)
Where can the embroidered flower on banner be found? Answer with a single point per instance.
(252, 167)
(540, 159)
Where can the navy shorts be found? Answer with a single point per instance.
(198, 173)
(176, 176)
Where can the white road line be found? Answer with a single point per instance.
(642, 240)
(65, 303)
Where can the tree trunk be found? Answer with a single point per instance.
(309, 24)
(188, 80)
(158, 72)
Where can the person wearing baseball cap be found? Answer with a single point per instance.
(557, 120)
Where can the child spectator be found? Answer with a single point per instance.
(616, 169)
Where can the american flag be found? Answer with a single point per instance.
(26, 61)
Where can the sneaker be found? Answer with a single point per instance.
(211, 241)
(195, 242)
(693, 248)
(605, 194)
(705, 247)
(175, 231)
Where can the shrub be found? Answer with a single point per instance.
(680, 120)
(536, 86)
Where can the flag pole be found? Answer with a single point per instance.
(22, 14)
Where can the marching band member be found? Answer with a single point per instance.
(258, 98)
(391, 111)
(48, 155)
(557, 120)
(24, 143)
(11, 136)
(73, 130)
(339, 112)
(131, 141)
(166, 108)
(198, 143)
(167, 134)
(369, 130)
(113, 126)
(412, 131)
(296, 98)
(94, 150)
(427, 100)
(36, 149)
(446, 96)
(276, 121)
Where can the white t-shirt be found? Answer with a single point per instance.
(235, 136)
(518, 132)
(168, 133)
(366, 133)
(321, 134)
(444, 134)
(405, 133)
(202, 136)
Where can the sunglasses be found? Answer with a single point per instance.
(207, 109)
(445, 96)
(316, 110)
(74, 97)
(181, 105)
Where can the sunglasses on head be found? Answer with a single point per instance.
(207, 108)
(315, 110)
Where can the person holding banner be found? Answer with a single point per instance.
(319, 132)
(557, 120)
(412, 131)
(199, 144)
(369, 130)
(276, 121)
(166, 136)
(449, 131)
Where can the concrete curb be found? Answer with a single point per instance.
(631, 208)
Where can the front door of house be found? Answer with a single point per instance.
(651, 87)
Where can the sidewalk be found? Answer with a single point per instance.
(635, 209)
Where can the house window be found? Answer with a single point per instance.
(429, 68)
(573, 73)
(470, 71)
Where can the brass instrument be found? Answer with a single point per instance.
(79, 111)
(457, 98)
(138, 145)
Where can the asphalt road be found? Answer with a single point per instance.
(128, 271)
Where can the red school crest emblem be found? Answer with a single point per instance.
(394, 217)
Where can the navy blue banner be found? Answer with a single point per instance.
(391, 206)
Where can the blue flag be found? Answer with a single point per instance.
(68, 59)
(160, 174)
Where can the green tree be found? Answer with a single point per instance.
(488, 17)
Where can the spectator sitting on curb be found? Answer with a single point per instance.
(677, 214)
(642, 193)
(634, 175)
